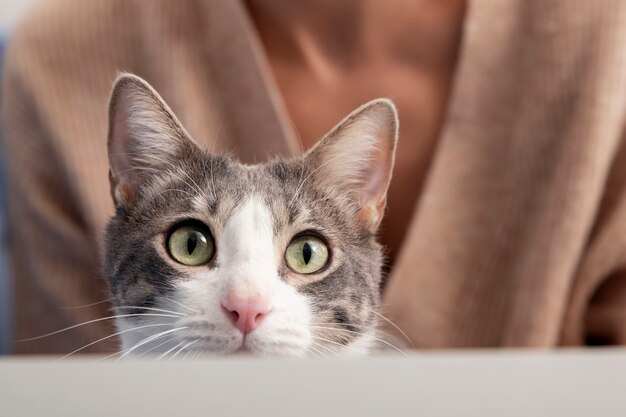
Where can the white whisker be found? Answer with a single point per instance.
(184, 347)
(169, 351)
(94, 321)
(156, 347)
(176, 302)
(295, 194)
(121, 352)
(362, 334)
(176, 169)
(189, 352)
(328, 348)
(177, 190)
(111, 355)
(395, 326)
(88, 305)
(319, 352)
(338, 344)
(110, 336)
(152, 309)
(150, 339)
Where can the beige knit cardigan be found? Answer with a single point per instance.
(518, 239)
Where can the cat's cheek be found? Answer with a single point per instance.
(200, 295)
(199, 300)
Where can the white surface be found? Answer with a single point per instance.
(502, 384)
(10, 12)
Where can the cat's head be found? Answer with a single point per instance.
(205, 253)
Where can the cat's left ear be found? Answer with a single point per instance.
(357, 157)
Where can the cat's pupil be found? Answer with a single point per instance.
(192, 242)
(307, 252)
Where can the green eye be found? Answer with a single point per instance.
(191, 245)
(306, 254)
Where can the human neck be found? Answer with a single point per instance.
(305, 29)
(349, 32)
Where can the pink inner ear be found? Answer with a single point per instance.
(377, 175)
(119, 141)
(376, 179)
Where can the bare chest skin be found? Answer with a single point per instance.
(328, 57)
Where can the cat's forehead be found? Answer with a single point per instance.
(232, 177)
(213, 188)
(227, 185)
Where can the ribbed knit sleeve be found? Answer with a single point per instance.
(520, 237)
(54, 261)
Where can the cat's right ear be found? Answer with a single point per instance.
(145, 137)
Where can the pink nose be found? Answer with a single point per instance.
(246, 314)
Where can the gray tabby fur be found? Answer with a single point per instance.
(168, 178)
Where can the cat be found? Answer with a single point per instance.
(208, 255)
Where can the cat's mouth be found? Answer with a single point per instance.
(243, 350)
(250, 345)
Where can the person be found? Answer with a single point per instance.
(506, 224)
